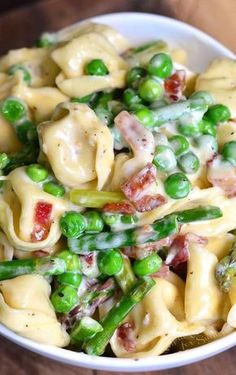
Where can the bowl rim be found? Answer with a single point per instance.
(130, 364)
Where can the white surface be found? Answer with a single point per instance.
(139, 27)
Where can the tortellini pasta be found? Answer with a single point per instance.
(157, 321)
(26, 309)
(84, 146)
(18, 210)
(73, 57)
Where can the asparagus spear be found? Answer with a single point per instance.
(43, 266)
(94, 198)
(97, 344)
(199, 214)
(107, 240)
(125, 278)
(226, 269)
(28, 155)
(84, 329)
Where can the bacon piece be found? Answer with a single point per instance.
(121, 208)
(134, 188)
(142, 251)
(42, 221)
(222, 174)
(179, 249)
(125, 336)
(140, 139)
(175, 85)
(149, 202)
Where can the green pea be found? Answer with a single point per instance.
(179, 144)
(104, 98)
(72, 224)
(110, 219)
(207, 127)
(218, 113)
(160, 65)
(54, 189)
(129, 219)
(20, 67)
(177, 185)
(22, 131)
(46, 40)
(150, 90)
(88, 99)
(189, 163)
(4, 160)
(208, 144)
(203, 95)
(37, 172)
(94, 221)
(130, 97)
(148, 265)
(229, 152)
(96, 67)
(110, 262)
(69, 278)
(72, 261)
(145, 116)
(189, 129)
(134, 76)
(13, 109)
(164, 158)
(64, 298)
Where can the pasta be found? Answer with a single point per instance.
(117, 195)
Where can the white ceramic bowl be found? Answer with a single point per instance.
(201, 48)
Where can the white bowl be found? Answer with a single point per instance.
(138, 28)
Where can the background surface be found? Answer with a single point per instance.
(21, 21)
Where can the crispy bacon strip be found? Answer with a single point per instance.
(121, 208)
(222, 174)
(134, 188)
(175, 85)
(179, 249)
(125, 335)
(149, 202)
(42, 221)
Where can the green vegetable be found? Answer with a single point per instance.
(110, 262)
(207, 143)
(4, 160)
(189, 163)
(37, 172)
(96, 67)
(117, 314)
(158, 44)
(204, 96)
(94, 222)
(164, 158)
(150, 90)
(20, 67)
(134, 76)
(84, 330)
(200, 213)
(64, 298)
(94, 198)
(229, 152)
(72, 224)
(130, 97)
(125, 278)
(177, 186)
(104, 114)
(88, 99)
(28, 155)
(207, 127)
(188, 126)
(179, 144)
(116, 219)
(69, 278)
(43, 266)
(148, 265)
(13, 109)
(46, 40)
(160, 65)
(53, 188)
(26, 131)
(144, 115)
(218, 113)
(108, 240)
(71, 260)
(226, 270)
